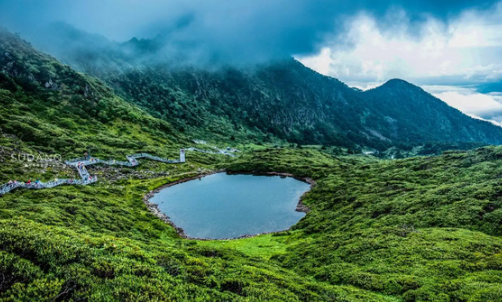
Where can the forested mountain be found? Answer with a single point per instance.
(282, 98)
(51, 106)
(416, 115)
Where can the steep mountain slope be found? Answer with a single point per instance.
(414, 114)
(301, 106)
(58, 110)
(284, 99)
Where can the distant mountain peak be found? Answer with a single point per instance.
(400, 86)
(392, 83)
(397, 81)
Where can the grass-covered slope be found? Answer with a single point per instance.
(421, 229)
(101, 244)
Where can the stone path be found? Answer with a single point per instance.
(80, 165)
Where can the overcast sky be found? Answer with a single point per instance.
(452, 49)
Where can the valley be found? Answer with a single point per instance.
(420, 228)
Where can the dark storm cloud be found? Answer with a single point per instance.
(227, 29)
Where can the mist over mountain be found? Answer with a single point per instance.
(280, 98)
(224, 31)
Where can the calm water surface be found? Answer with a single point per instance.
(228, 206)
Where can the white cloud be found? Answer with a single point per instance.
(467, 47)
(478, 105)
(495, 122)
(473, 103)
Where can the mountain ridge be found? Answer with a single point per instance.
(282, 99)
(400, 100)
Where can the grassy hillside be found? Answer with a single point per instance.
(418, 229)
(44, 102)
(421, 229)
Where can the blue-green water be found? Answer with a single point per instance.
(228, 206)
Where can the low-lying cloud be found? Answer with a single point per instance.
(223, 29)
(462, 50)
(469, 101)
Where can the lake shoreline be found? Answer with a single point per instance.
(154, 208)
